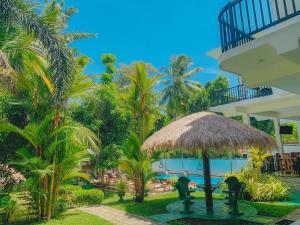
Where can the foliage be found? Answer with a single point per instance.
(121, 189)
(107, 118)
(108, 60)
(261, 187)
(198, 102)
(178, 85)
(137, 165)
(88, 197)
(81, 196)
(22, 13)
(140, 99)
(218, 84)
(264, 125)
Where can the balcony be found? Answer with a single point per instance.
(241, 20)
(238, 93)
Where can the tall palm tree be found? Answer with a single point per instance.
(137, 165)
(140, 96)
(178, 85)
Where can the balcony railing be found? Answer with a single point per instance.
(238, 93)
(240, 19)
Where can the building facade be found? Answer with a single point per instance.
(260, 42)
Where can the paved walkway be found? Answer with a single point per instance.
(118, 217)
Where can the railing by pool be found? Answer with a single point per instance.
(240, 19)
(238, 93)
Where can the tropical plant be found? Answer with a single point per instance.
(179, 87)
(198, 102)
(121, 189)
(140, 98)
(66, 144)
(19, 13)
(137, 165)
(261, 187)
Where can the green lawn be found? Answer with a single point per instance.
(273, 209)
(156, 204)
(75, 217)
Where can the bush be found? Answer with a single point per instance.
(261, 187)
(76, 195)
(267, 188)
(88, 197)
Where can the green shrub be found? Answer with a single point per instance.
(260, 187)
(88, 197)
(72, 195)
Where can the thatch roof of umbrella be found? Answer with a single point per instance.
(208, 129)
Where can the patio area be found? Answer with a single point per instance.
(220, 212)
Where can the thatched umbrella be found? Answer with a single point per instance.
(206, 130)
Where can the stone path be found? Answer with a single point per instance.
(118, 217)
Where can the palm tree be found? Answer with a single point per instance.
(14, 13)
(178, 86)
(72, 140)
(137, 165)
(140, 97)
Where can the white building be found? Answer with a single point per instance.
(260, 42)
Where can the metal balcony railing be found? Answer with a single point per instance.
(240, 19)
(238, 93)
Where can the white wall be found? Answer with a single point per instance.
(291, 148)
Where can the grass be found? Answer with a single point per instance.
(75, 217)
(273, 209)
(156, 204)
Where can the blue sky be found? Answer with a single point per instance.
(151, 31)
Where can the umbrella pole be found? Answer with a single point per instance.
(207, 180)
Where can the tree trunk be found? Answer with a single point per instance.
(57, 187)
(207, 180)
(139, 190)
(51, 191)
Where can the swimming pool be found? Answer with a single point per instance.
(219, 167)
(197, 179)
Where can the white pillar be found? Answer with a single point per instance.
(277, 135)
(246, 118)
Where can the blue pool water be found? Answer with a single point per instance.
(197, 179)
(194, 168)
